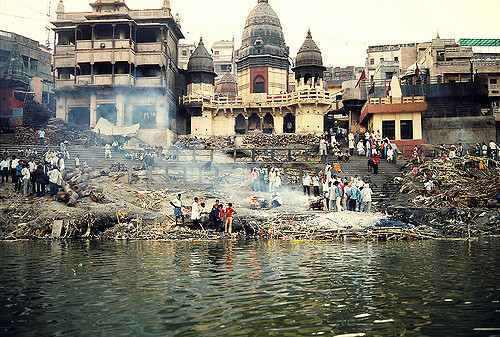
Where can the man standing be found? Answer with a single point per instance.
(229, 218)
(177, 203)
(25, 172)
(4, 168)
(13, 169)
(366, 199)
(306, 183)
(41, 137)
(107, 151)
(322, 148)
(195, 212)
(55, 180)
(39, 177)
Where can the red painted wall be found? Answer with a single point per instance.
(254, 72)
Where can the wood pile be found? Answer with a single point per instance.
(283, 140)
(210, 143)
(298, 227)
(57, 131)
(459, 182)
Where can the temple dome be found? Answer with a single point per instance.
(309, 53)
(201, 60)
(227, 86)
(263, 33)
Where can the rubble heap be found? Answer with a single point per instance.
(283, 140)
(57, 131)
(467, 182)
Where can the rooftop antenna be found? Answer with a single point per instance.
(47, 26)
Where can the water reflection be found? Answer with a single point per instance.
(257, 288)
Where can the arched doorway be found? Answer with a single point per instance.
(259, 85)
(308, 79)
(289, 123)
(268, 124)
(240, 125)
(254, 122)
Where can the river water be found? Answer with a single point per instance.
(250, 288)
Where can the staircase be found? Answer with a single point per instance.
(381, 184)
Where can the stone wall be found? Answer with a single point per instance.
(453, 130)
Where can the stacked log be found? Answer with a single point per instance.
(283, 140)
(57, 131)
(210, 143)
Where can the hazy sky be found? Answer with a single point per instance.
(342, 29)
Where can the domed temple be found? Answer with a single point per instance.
(263, 102)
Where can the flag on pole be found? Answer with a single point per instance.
(417, 70)
(362, 77)
(388, 89)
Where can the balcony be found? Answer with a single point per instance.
(64, 62)
(149, 82)
(83, 44)
(65, 84)
(84, 80)
(64, 50)
(149, 47)
(103, 79)
(124, 80)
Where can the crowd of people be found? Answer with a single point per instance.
(258, 179)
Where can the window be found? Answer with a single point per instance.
(372, 61)
(388, 76)
(184, 53)
(493, 81)
(216, 52)
(406, 129)
(389, 129)
(259, 85)
(396, 59)
(381, 59)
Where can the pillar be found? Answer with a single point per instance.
(93, 109)
(120, 109)
(162, 113)
(278, 124)
(62, 107)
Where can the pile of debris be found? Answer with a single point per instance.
(210, 143)
(466, 182)
(283, 140)
(57, 131)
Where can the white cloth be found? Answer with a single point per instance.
(4, 164)
(41, 134)
(307, 180)
(14, 163)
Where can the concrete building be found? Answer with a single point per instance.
(263, 103)
(118, 64)
(223, 56)
(25, 66)
(185, 52)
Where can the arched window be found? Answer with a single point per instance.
(308, 79)
(259, 85)
(240, 125)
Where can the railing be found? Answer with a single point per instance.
(149, 82)
(84, 80)
(124, 79)
(270, 99)
(397, 100)
(64, 83)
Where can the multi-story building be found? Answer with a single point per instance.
(118, 64)
(25, 65)
(335, 76)
(185, 52)
(25, 74)
(223, 56)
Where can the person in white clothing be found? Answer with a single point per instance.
(272, 179)
(196, 212)
(107, 151)
(306, 183)
(366, 198)
(55, 180)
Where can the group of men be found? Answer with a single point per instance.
(219, 218)
(31, 177)
(343, 194)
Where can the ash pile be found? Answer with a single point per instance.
(283, 140)
(210, 143)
